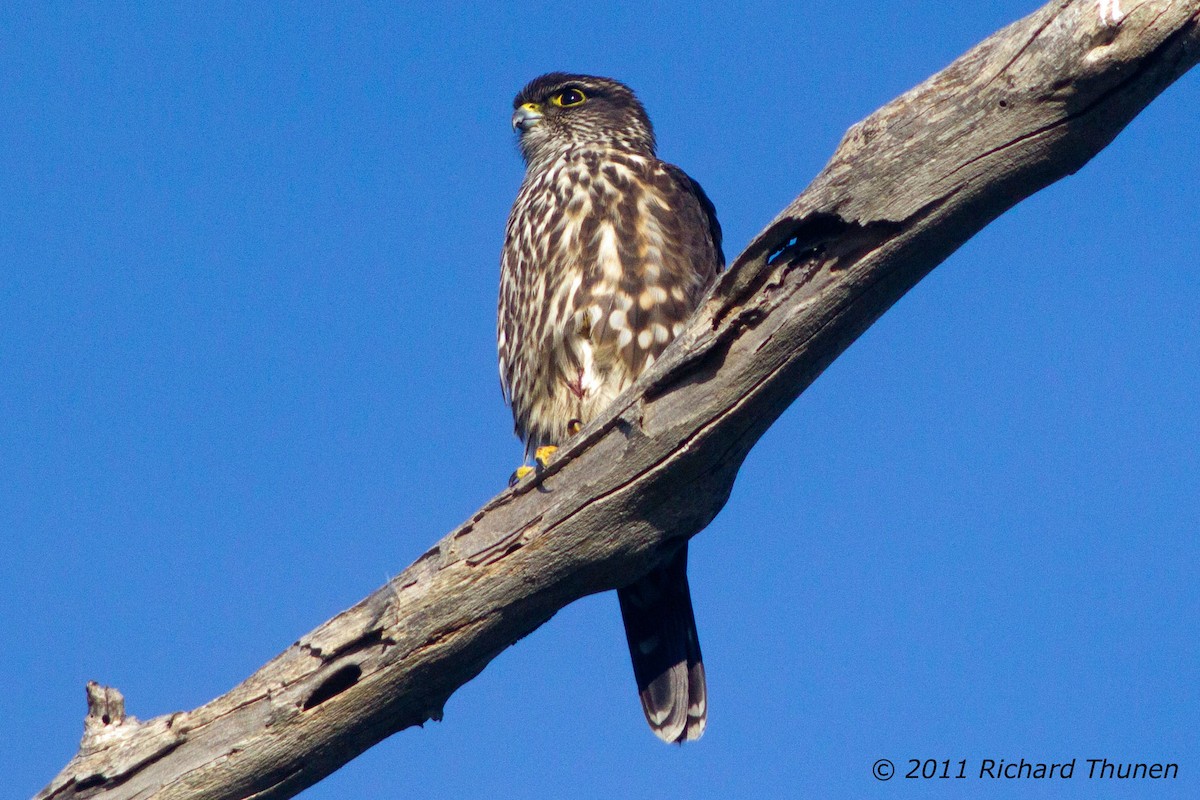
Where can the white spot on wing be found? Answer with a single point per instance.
(607, 253)
(588, 380)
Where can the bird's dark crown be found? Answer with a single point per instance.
(542, 88)
(610, 116)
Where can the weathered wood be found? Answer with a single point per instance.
(905, 188)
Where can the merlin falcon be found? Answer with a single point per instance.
(607, 252)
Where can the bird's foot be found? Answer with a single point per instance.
(574, 426)
(543, 455)
(519, 474)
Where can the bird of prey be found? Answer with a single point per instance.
(607, 252)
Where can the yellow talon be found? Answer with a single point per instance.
(543, 455)
(574, 426)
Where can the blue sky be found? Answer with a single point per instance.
(248, 267)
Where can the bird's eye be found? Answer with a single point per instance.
(569, 98)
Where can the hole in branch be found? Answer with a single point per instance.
(335, 684)
(90, 782)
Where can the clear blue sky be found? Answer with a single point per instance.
(248, 267)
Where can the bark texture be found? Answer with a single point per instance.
(904, 189)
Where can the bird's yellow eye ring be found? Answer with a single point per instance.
(569, 99)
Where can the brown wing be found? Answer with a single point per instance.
(666, 242)
(687, 184)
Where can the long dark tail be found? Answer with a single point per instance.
(664, 646)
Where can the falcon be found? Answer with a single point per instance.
(607, 252)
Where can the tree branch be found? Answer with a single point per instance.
(904, 189)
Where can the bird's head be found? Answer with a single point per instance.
(558, 111)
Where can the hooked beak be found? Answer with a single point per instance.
(526, 117)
